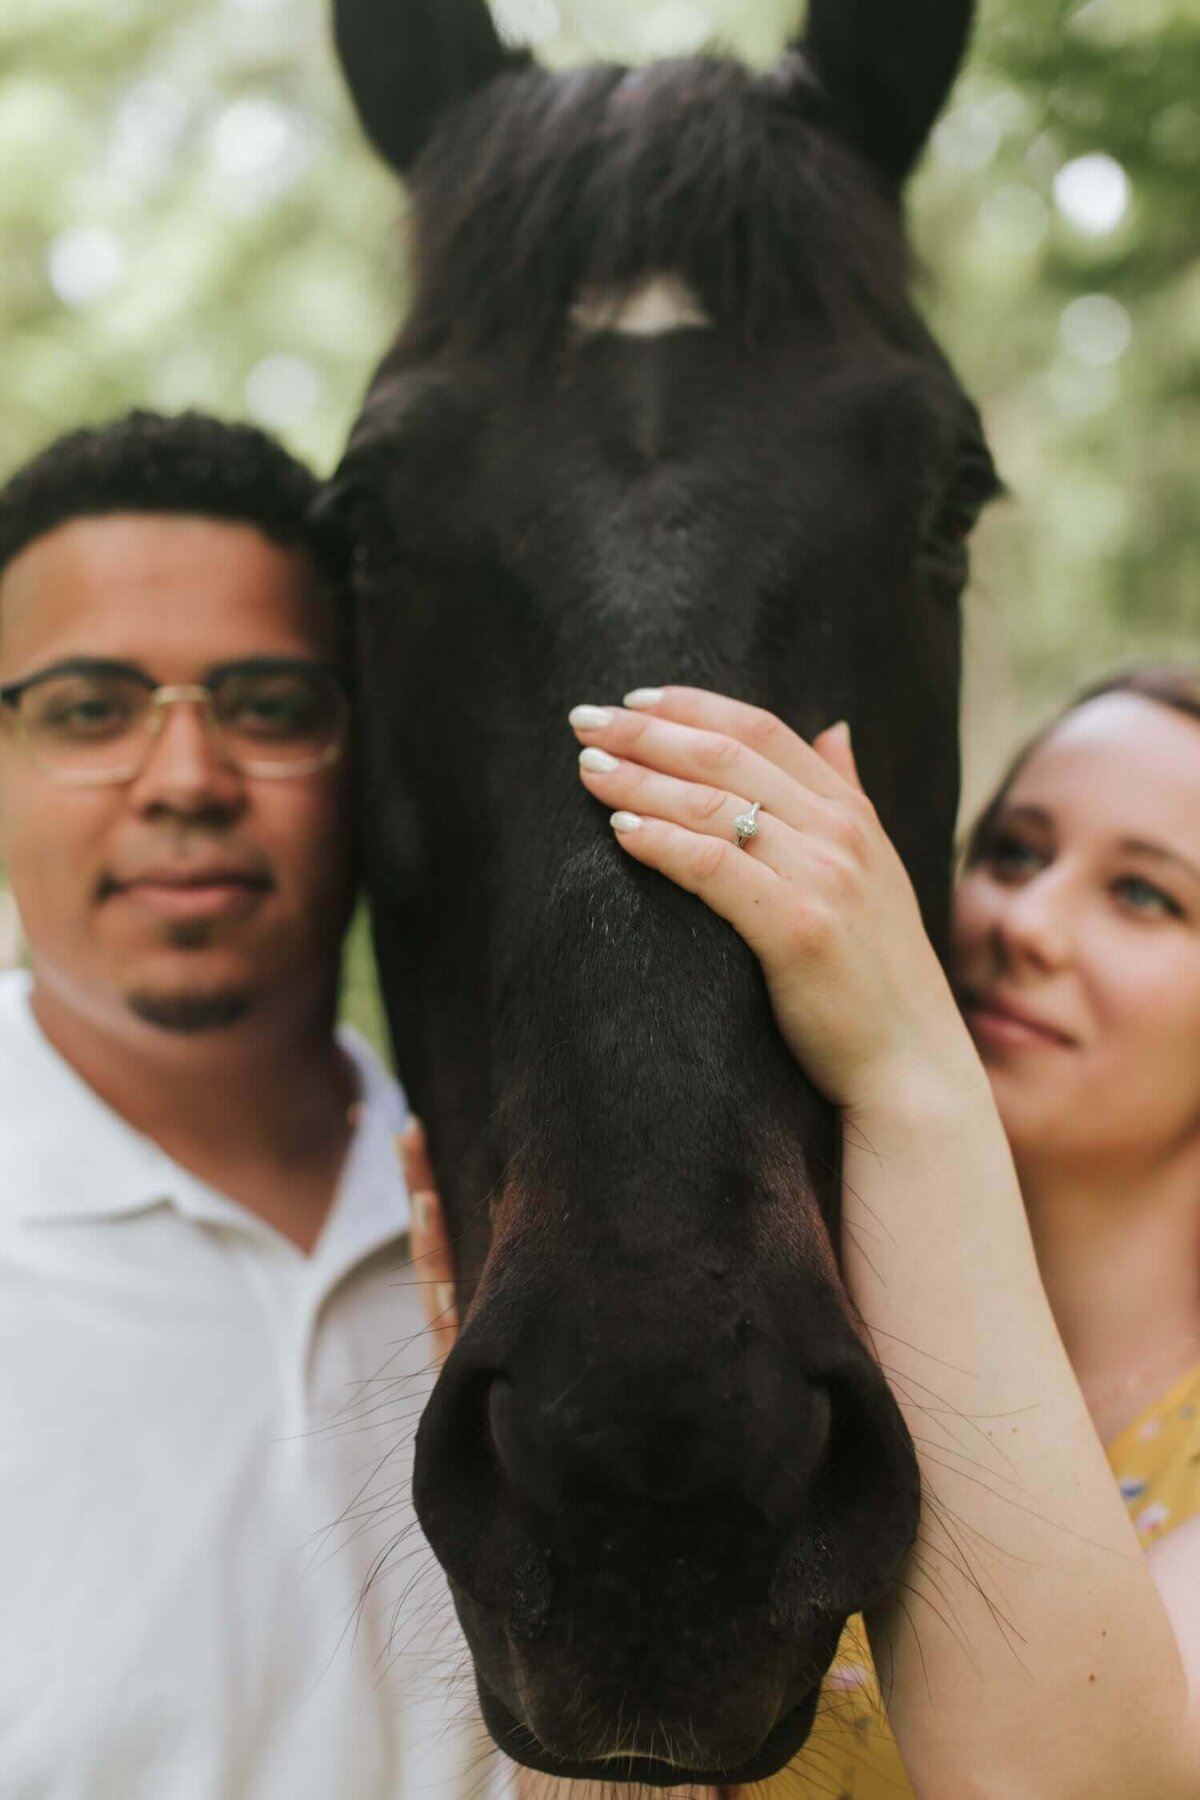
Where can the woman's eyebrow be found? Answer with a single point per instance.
(1159, 853)
(1129, 846)
(1033, 815)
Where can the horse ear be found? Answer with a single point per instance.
(405, 61)
(887, 67)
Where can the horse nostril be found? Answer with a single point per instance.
(785, 1474)
(502, 1424)
(860, 1506)
(526, 1460)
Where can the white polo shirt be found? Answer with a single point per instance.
(205, 1448)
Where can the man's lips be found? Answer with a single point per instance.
(1002, 1021)
(193, 893)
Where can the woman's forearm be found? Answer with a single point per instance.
(1026, 1654)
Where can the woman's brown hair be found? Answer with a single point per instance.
(1176, 687)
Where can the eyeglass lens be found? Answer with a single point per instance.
(98, 722)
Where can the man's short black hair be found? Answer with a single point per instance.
(151, 462)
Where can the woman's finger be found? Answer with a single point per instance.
(752, 726)
(414, 1156)
(432, 1258)
(716, 760)
(625, 786)
(738, 887)
(702, 758)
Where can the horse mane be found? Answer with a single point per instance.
(543, 186)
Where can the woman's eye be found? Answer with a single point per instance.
(1011, 855)
(1145, 897)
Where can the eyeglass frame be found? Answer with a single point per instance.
(195, 693)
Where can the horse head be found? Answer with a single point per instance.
(662, 410)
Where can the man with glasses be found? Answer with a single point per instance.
(211, 1347)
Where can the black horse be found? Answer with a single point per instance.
(662, 411)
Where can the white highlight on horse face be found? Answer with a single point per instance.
(659, 304)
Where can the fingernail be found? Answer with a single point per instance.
(420, 1206)
(443, 1302)
(589, 718)
(623, 821)
(843, 727)
(643, 698)
(599, 760)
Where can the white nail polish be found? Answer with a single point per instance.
(598, 760)
(443, 1302)
(420, 1206)
(641, 699)
(624, 821)
(589, 718)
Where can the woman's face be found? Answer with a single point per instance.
(1077, 940)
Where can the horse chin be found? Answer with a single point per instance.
(786, 1738)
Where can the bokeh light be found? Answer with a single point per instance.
(84, 264)
(258, 149)
(1095, 329)
(1093, 193)
(282, 390)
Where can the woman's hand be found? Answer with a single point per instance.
(820, 894)
(432, 1260)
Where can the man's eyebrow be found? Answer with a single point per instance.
(115, 665)
(92, 665)
(250, 664)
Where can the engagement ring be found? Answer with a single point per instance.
(746, 825)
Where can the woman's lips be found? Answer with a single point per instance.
(994, 1023)
(196, 900)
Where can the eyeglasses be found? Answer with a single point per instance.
(91, 723)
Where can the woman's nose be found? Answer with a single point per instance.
(1033, 922)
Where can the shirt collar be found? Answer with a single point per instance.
(65, 1154)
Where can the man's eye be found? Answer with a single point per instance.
(1145, 897)
(83, 715)
(86, 712)
(282, 712)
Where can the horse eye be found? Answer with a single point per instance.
(973, 485)
(376, 550)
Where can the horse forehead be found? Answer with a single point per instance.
(659, 304)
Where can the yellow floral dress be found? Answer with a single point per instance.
(851, 1753)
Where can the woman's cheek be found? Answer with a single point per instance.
(1139, 988)
(973, 919)
(1164, 1019)
(1144, 1006)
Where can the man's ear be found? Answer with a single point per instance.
(406, 61)
(887, 67)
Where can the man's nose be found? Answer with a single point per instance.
(188, 769)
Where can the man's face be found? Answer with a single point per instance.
(193, 894)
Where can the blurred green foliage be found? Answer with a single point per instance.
(189, 216)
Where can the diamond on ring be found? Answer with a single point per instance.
(746, 825)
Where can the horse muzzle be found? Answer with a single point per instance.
(653, 1545)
